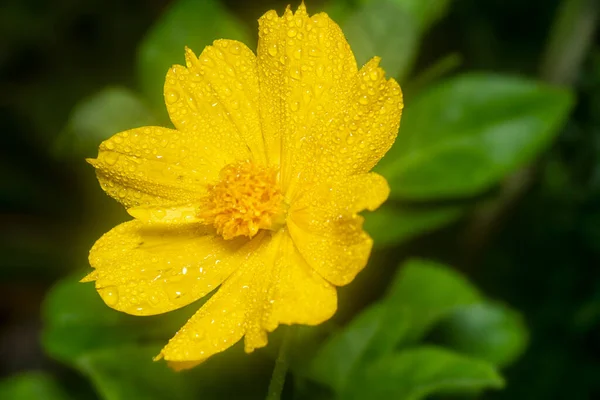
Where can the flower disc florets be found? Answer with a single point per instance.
(246, 199)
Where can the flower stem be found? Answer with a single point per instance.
(281, 366)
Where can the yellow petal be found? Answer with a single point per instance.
(154, 166)
(181, 214)
(321, 116)
(215, 97)
(326, 229)
(274, 286)
(223, 320)
(147, 269)
(305, 73)
(298, 295)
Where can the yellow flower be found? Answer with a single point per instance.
(255, 192)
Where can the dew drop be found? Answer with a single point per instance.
(172, 96)
(235, 48)
(110, 295)
(111, 158)
(154, 300)
(273, 50)
(295, 73)
(320, 70)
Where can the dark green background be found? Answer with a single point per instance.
(539, 251)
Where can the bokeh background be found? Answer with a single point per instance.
(527, 234)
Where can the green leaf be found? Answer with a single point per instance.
(77, 321)
(491, 332)
(190, 23)
(338, 357)
(31, 386)
(381, 28)
(463, 136)
(422, 294)
(128, 372)
(100, 116)
(424, 12)
(416, 373)
(392, 224)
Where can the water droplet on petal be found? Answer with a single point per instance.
(171, 96)
(273, 50)
(110, 295)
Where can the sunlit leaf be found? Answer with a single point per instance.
(422, 294)
(465, 135)
(393, 223)
(416, 373)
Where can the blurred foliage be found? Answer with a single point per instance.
(496, 171)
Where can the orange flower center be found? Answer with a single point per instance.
(244, 200)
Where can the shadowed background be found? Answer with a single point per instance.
(528, 236)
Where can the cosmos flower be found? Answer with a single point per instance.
(256, 192)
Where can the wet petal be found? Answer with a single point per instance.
(225, 317)
(298, 295)
(305, 72)
(274, 286)
(179, 214)
(154, 166)
(326, 229)
(214, 97)
(147, 269)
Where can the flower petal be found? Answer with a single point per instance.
(321, 116)
(305, 73)
(154, 166)
(326, 229)
(179, 214)
(215, 97)
(274, 286)
(147, 269)
(298, 295)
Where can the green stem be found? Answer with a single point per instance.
(572, 35)
(281, 366)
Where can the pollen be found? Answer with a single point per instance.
(246, 199)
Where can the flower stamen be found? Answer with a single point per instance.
(244, 200)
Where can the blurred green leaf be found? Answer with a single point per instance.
(423, 293)
(192, 23)
(393, 223)
(123, 373)
(100, 116)
(128, 372)
(491, 332)
(424, 12)
(416, 373)
(338, 10)
(340, 355)
(31, 386)
(485, 127)
(381, 28)
(77, 321)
